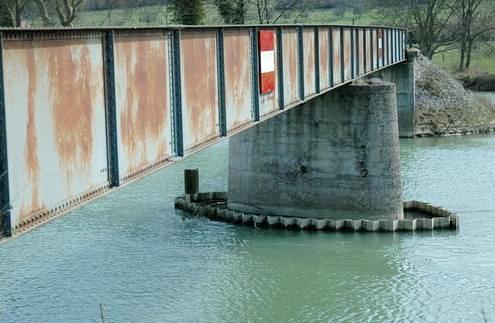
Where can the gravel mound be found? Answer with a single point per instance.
(444, 107)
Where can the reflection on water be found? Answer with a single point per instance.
(132, 252)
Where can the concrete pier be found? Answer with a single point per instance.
(403, 76)
(335, 157)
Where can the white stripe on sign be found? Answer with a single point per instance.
(268, 61)
(380, 43)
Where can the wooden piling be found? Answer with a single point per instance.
(191, 181)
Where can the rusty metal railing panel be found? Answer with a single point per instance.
(142, 102)
(199, 87)
(238, 87)
(291, 88)
(337, 65)
(268, 102)
(309, 61)
(55, 112)
(324, 56)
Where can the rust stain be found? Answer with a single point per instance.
(200, 87)
(323, 37)
(70, 80)
(237, 77)
(144, 113)
(25, 53)
(289, 40)
(31, 148)
(309, 58)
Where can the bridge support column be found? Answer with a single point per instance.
(335, 156)
(403, 76)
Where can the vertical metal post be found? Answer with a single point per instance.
(300, 62)
(342, 56)
(352, 53)
(222, 114)
(177, 94)
(372, 60)
(330, 56)
(111, 111)
(317, 59)
(390, 47)
(5, 216)
(358, 52)
(365, 51)
(385, 47)
(377, 41)
(280, 69)
(255, 54)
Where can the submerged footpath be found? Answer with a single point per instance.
(444, 107)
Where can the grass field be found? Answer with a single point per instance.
(162, 15)
(483, 60)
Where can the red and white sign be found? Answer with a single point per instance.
(267, 61)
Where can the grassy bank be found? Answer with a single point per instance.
(483, 60)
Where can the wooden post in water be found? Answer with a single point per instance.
(191, 181)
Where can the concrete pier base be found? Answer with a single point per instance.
(334, 157)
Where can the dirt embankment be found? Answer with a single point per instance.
(444, 107)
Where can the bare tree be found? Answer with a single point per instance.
(474, 23)
(272, 11)
(15, 11)
(65, 11)
(427, 20)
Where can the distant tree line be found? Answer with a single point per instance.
(434, 25)
(440, 25)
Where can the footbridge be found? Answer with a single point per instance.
(83, 111)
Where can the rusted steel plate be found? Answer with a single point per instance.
(238, 82)
(361, 51)
(55, 113)
(143, 101)
(368, 50)
(289, 42)
(336, 56)
(309, 61)
(269, 101)
(347, 53)
(199, 87)
(324, 63)
(375, 48)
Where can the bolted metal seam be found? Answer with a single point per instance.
(330, 57)
(111, 111)
(5, 215)
(317, 59)
(280, 69)
(255, 73)
(177, 94)
(222, 113)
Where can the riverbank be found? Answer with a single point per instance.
(445, 107)
(477, 82)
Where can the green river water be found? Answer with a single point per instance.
(133, 253)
